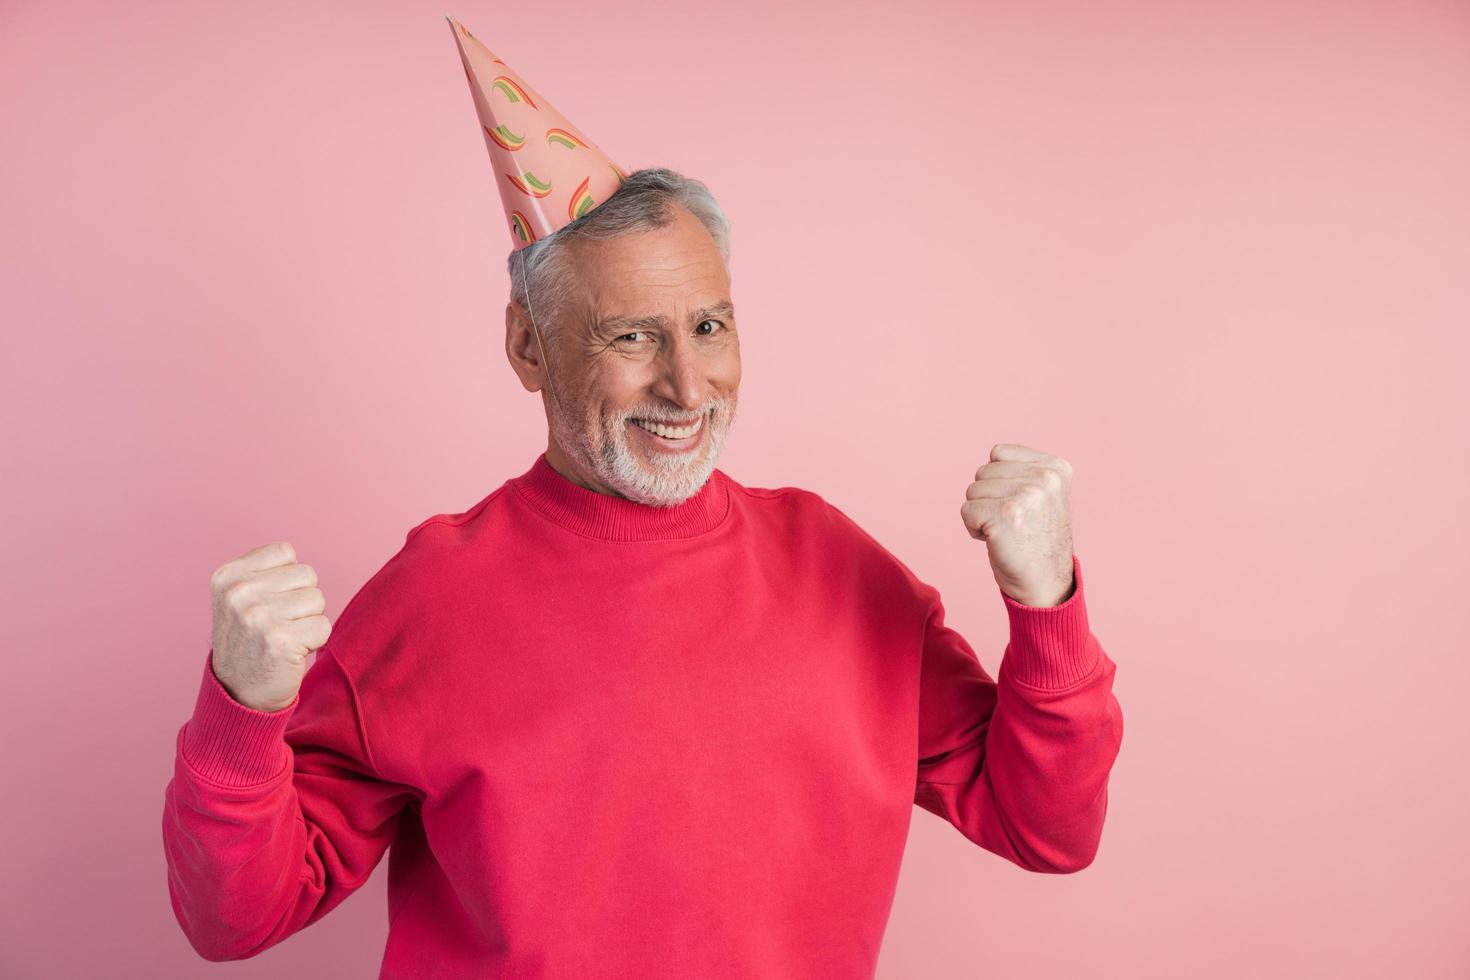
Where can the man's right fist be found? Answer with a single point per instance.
(267, 618)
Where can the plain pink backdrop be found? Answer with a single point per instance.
(1216, 255)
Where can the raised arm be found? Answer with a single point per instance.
(1021, 766)
(272, 818)
(276, 811)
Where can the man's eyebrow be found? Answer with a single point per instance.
(725, 308)
(622, 324)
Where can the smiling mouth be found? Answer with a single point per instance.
(671, 432)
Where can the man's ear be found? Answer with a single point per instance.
(521, 348)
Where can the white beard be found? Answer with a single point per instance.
(603, 447)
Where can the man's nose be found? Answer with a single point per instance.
(681, 375)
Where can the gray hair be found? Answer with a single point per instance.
(643, 201)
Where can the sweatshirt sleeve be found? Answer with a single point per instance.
(271, 819)
(1020, 766)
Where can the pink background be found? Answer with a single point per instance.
(1216, 255)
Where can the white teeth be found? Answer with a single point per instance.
(668, 432)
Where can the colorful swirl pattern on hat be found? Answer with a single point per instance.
(512, 91)
(561, 137)
(545, 181)
(530, 185)
(521, 227)
(581, 201)
(505, 138)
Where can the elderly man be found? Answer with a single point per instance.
(625, 716)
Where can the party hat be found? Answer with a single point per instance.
(548, 173)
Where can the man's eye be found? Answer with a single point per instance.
(639, 333)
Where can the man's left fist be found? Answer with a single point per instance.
(1019, 506)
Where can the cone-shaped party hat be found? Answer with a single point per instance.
(548, 173)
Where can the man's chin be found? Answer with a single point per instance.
(661, 477)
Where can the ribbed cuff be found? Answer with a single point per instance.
(1050, 646)
(231, 744)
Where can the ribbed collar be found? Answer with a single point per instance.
(601, 515)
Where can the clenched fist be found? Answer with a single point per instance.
(267, 618)
(1019, 505)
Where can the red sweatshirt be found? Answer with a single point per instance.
(605, 739)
